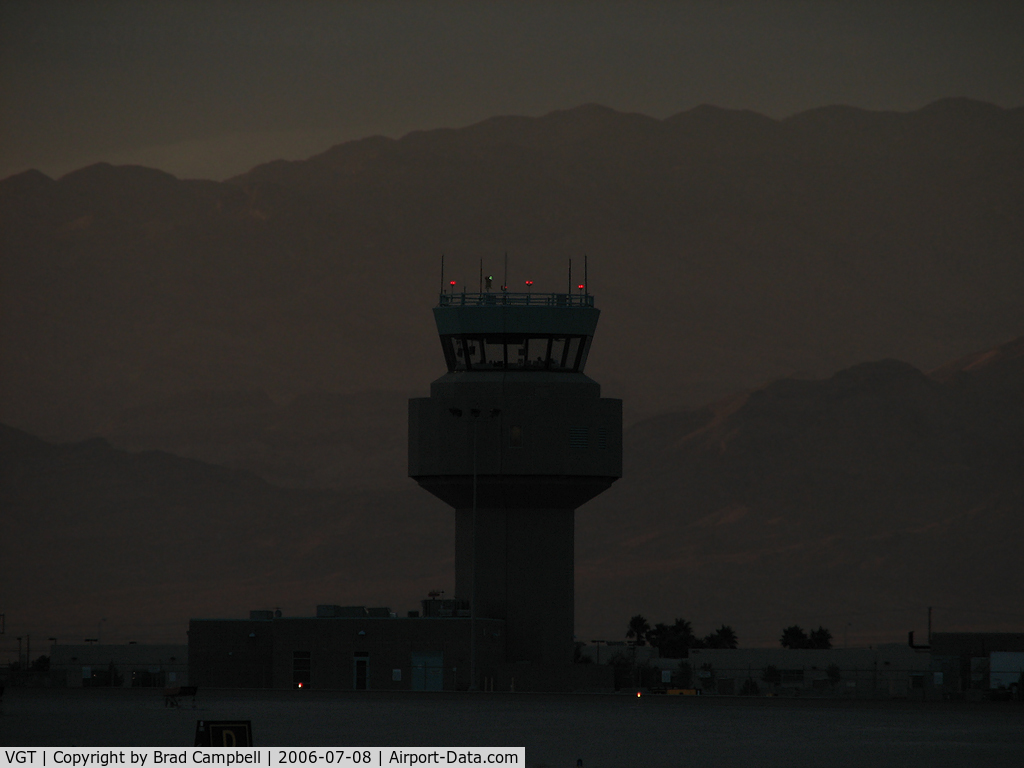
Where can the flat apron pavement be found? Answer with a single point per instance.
(605, 731)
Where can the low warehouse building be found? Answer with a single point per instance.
(357, 648)
(91, 665)
(887, 671)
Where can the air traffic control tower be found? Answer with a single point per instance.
(515, 437)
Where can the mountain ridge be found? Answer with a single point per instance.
(718, 262)
(867, 495)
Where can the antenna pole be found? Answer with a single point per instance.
(504, 286)
(481, 288)
(442, 273)
(570, 277)
(586, 287)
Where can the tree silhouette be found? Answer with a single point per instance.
(820, 638)
(683, 627)
(723, 637)
(673, 642)
(794, 637)
(661, 638)
(638, 629)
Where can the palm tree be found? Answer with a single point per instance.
(726, 637)
(638, 629)
(660, 637)
(672, 642)
(683, 629)
(723, 637)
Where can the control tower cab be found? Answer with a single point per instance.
(515, 437)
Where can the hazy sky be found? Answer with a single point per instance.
(211, 88)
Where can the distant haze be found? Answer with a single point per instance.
(273, 325)
(207, 90)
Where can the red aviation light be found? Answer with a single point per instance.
(529, 282)
(580, 286)
(452, 283)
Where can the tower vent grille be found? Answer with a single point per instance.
(579, 437)
(602, 438)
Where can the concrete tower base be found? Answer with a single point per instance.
(523, 574)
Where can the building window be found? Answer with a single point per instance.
(515, 437)
(300, 669)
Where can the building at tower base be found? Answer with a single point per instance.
(353, 648)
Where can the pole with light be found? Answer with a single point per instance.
(474, 414)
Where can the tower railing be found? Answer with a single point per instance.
(504, 298)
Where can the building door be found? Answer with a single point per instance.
(361, 672)
(428, 671)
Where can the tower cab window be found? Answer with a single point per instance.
(523, 353)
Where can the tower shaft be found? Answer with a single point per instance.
(523, 574)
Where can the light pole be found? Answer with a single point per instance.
(474, 414)
(598, 644)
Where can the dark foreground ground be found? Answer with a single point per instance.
(612, 731)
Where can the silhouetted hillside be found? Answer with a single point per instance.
(873, 493)
(864, 497)
(318, 440)
(726, 249)
(147, 540)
